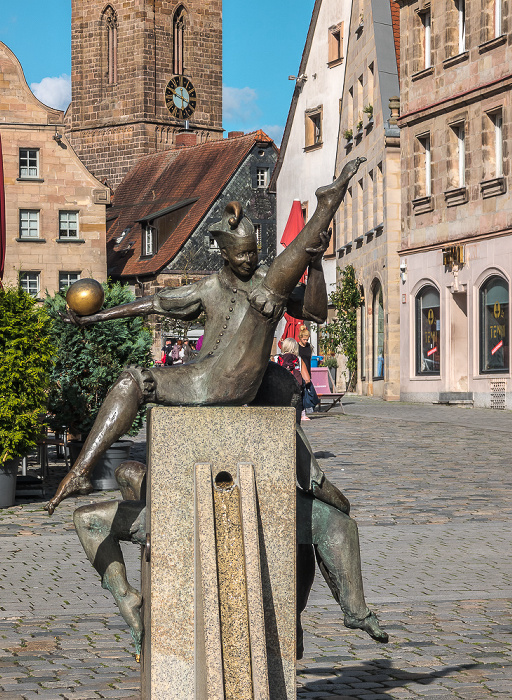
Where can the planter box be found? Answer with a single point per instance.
(8, 474)
(103, 476)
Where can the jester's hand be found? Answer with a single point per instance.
(318, 251)
(266, 302)
(80, 321)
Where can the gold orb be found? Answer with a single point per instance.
(85, 297)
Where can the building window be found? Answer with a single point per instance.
(68, 225)
(257, 233)
(427, 44)
(179, 39)
(149, 239)
(498, 18)
(378, 333)
(428, 331)
(461, 11)
(335, 44)
(314, 128)
(423, 167)
(261, 178)
(29, 223)
(497, 120)
(457, 156)
(29, 163)
(30, 282)
(213, 243)
(362, 336)
(66, 279)
(494, 326)
(110, 19)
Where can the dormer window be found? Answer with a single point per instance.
(150, 242)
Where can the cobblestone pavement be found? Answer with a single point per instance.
(430, 490)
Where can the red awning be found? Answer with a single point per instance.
(2, 215)
(294, 225)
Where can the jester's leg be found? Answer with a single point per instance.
(305, 578)
(336, 540)
(100, 527)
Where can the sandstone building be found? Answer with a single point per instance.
(123, 55)
(55, 209)
(456, 243)
(368, 221)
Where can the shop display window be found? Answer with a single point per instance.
(494, 326)
(378, 334)
(428, 331)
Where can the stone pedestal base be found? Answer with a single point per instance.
(219, 587)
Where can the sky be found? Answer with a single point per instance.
(263, 43)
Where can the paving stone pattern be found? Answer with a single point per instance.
(430, 489)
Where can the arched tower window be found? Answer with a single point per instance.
(179, 24)
(110, 30)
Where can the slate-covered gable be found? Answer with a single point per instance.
(205, 177)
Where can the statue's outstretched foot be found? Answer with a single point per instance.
(130, 608)
(331, 195)
(368, 624)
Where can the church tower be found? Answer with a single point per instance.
(139, 67)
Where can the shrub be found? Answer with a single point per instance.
(90, 359)
(26, 357)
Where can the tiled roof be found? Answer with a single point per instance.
(194, 175)
(395, 18)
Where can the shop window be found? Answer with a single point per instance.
(29, 163)
(378, 333)
(29, 223)
(494, 326)
(68, 225)
(335, 44)
(428, 331)
(30, 282)
(66, 279)
(314, 128)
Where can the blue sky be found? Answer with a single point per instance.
(263, 44)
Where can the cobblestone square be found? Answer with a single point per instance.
(430, 489)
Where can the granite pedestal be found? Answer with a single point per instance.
(219, 581)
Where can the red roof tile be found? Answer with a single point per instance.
(395, 18)
(161, 180)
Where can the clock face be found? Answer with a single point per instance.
(180, 97)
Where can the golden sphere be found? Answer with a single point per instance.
(85, 297)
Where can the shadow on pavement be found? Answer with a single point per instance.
(380, 673)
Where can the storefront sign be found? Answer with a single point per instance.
(497, 347)
(432, 351)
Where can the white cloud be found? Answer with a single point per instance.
(239, 105)
(53, 92)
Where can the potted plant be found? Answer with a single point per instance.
(26, 356)
(348, 134)
(368, 110)
(359, 127)
(332, 364)
(88, 362)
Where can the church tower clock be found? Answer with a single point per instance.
(132, 62)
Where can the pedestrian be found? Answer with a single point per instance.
(177, 351)
(290, 360)
(305, 354)
(167, 353)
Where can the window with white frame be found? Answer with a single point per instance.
(461, 11)
(426, 172)
(257, 233)
(29, 163)
(261, 178)
(68, 225)
(30, 282)
(498, 18)
(149, 238)
(213, 243)
(459, 164)
(66, 279)
(427, 38)
(497, 120)
(29, 223)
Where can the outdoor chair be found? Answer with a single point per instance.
(324, 385)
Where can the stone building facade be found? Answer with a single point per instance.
(456, 245)
(123, 55)
(368, 221)
(55, 209)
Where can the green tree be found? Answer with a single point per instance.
(26, 358)
(90, 359)
(340, 335)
